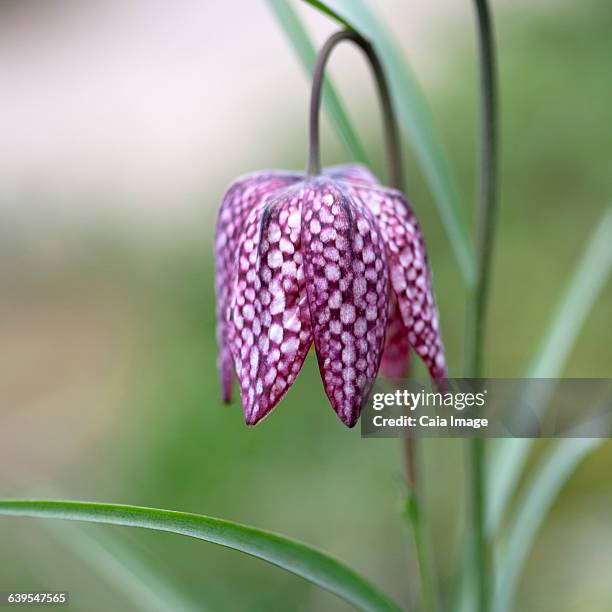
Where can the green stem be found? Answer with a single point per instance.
(488, 189)
(481, 555)
(477, 311)
(420, 528)
(396, 177)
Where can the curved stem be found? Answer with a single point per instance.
(477, 311)
(391, 130)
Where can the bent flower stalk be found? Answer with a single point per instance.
(337, 259)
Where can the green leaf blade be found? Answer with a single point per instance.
(585, 286)
(324, 7)
(309, 563)
(555, 470)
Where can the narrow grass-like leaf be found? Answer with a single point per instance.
(324, 7)
(589, 278)
(298, 36)
(309, 563)
(416, 119)
(554, 471)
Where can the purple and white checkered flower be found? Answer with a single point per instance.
(336, 259)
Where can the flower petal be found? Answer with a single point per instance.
(396, 356)
(269, 309)
(409, 273)
(352, 173)
(347, 286)
(242, 196)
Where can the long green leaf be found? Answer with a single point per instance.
(586, 284)
(296, 33)
(309, 563)
(416, 119)
(325, 8)
(541, 492)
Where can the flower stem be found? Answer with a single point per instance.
(480, 544)
(396, 177)
(477, 311)
(488, 187)
(420, 527)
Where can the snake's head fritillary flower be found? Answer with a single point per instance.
(334, 259)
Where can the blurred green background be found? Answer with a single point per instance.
(108, 386)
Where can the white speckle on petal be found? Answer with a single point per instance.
(363, 226)
(290, 345)
(276, 333)
(294, 219)
(332, 272)
(347, 313)
(289, 268)
(274, 232)
(270, 376)
(360, 327)
(286, 246)
(328, 234)
(248, 312)
(359, 287)
(335, 301)
(335, 327)
(275, 259)
(254, 357)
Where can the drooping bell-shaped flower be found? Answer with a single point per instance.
(330, 258)
(334, 259)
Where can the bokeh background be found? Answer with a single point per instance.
(121, 124)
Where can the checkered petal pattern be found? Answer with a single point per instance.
(336, 260)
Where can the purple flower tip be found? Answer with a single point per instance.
(335, 259)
